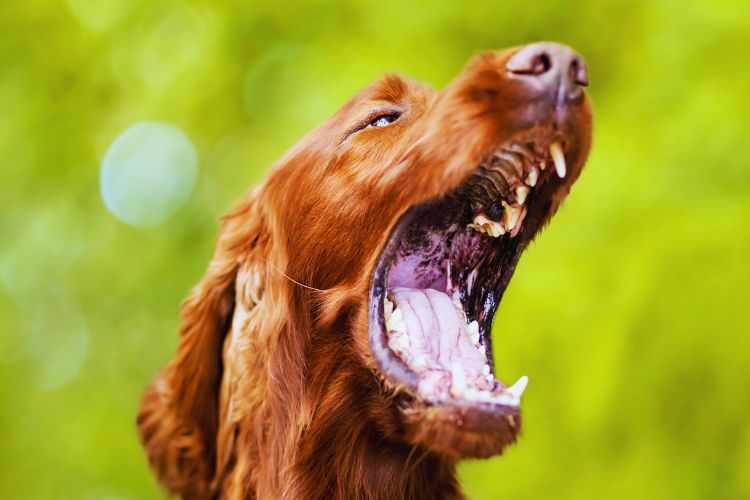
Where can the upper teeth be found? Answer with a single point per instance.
(532, 177)
(511, 214)
(484, 225)
(521, 193)
(556, 151)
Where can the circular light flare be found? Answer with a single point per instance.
(148, 173)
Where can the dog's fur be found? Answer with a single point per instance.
(274, 392)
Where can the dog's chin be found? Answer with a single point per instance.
(437, 285)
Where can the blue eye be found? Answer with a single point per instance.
(383, 120)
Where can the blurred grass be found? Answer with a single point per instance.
(629, 314)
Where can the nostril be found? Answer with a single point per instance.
(549, 66)
(542, 64)
(578, 73)
(535, 63)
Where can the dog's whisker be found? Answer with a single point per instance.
(292, 279)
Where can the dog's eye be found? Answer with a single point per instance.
(383, 120)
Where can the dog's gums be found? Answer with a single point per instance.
(427, 327)
(340, 344)
(442, 276)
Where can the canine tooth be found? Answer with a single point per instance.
(482, 350)
(387, 309)
(511, 214)
(532, 177)
(521, 193)
(559, 158)
(458, 382)
(542, 166)
(486, 370)
(516, 390)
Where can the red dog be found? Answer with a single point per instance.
(339, 344)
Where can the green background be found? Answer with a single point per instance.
(629, 314)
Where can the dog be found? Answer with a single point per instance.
(339, 344)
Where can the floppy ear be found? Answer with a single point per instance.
(177, 421)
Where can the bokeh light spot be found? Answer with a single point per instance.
(148, 173)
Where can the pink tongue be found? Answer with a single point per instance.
(438, 336)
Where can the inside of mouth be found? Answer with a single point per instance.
(445, 269)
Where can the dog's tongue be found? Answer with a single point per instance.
(440, 344)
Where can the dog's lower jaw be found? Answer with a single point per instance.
(362, 461)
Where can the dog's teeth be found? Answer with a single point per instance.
(397, 316)
(559, 158)
(542, 166)
(395, 323)
(484, 225)
(473, 330)
(511, 214)
(486, 370)
(458, 383)
(516, 390)
(521, 193)
(532, 177)
(387, 309)
(399, 343)
(482, 350)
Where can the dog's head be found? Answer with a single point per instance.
(365, 273)
(429, 199)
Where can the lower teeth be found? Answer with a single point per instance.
(440, 378)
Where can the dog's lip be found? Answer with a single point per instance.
(488, 418)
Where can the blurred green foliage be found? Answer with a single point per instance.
(629, 314)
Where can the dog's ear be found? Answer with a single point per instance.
(177, 421)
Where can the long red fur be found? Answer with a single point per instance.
(273, 392)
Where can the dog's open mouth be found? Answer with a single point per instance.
(443, 272)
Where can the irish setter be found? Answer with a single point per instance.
(339, 343)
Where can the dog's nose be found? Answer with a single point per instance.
(552, 67)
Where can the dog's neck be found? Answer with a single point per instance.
(348, 441)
